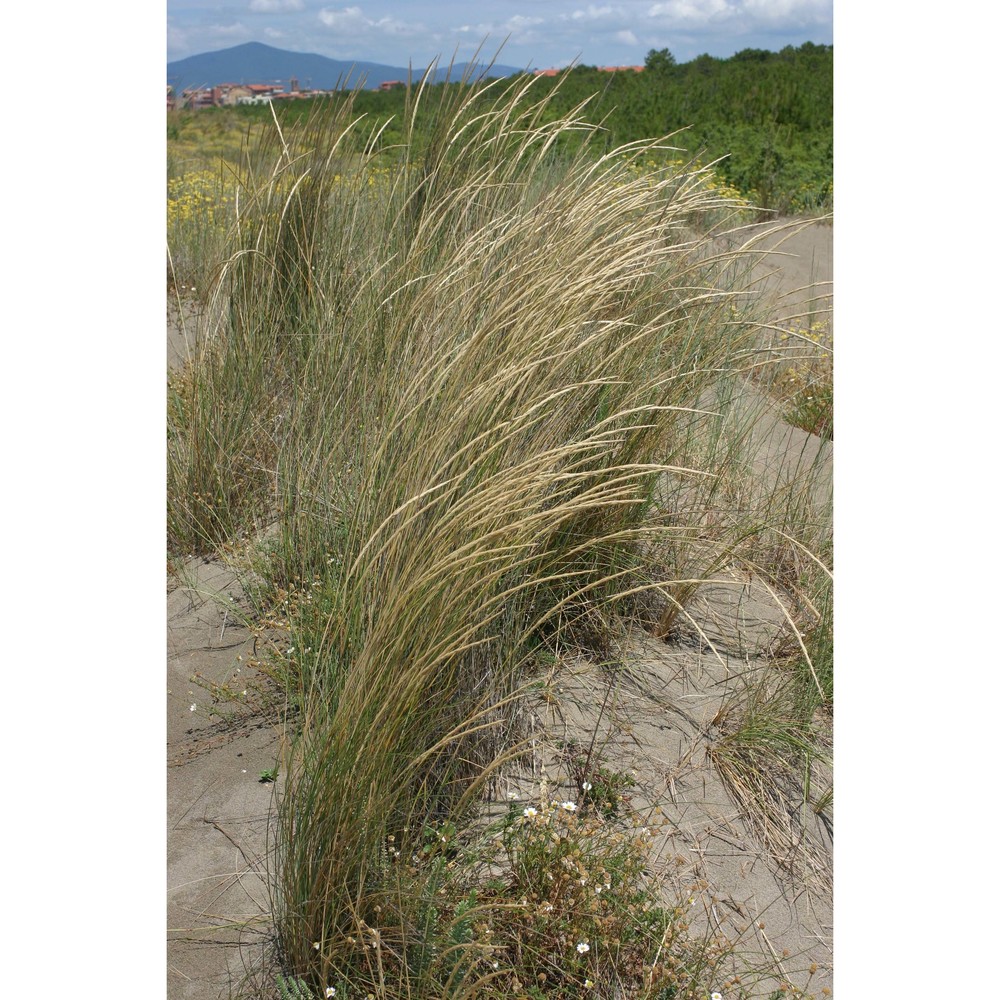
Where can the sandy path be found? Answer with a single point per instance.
(796, 275)
(217, 809)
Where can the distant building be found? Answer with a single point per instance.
(391, 85)
(227, 95)
(232, 92)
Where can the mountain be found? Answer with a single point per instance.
(255, 62)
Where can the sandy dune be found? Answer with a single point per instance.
(663, 728)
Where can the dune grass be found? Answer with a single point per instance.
(449, 413)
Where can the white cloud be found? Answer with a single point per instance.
(236, 30)
(595, 13)
(353, 20)
(692, 12)
(626, 37)
(748, 14)
(348, 19)
(517, 25)
(275, 6)
(788, 11)
(392, 26)
(521, 23)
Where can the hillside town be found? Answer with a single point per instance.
(231, 94)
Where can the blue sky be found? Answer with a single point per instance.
(542, 33)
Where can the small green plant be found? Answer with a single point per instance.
(586, 914)
(599, 787)
(293, 988)
(268, 775)
(608, 790)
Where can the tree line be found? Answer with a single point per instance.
(766, 117)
